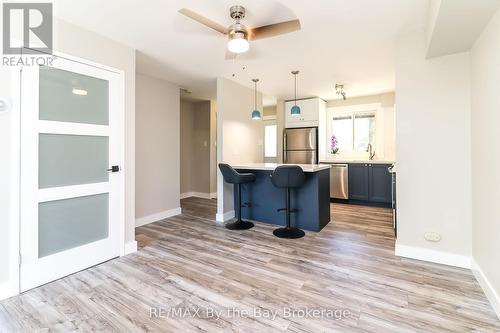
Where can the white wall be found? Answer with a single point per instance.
(389, 134)
(157, 149)
(280, 121)
(433, 153)
(239, 137)
(9, 217)
(81, 43)
(213, 148)
(485, 73)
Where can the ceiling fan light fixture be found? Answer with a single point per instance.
(238, 42)
(239, 35)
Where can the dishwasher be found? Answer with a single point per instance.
(339, 181)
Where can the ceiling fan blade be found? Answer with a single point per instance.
(230, 55)
(273, 30)
(203, 20)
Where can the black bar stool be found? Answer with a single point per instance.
(288, 177)
(233, 177)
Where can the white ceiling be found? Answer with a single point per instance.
(345, 41)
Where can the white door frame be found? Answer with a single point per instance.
(16, 257)
(10, 287)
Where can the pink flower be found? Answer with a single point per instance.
(333, 145)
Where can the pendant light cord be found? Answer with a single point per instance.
(295, 76)
(255, 95)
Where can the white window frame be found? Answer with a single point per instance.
(270, 121)
(350, 111)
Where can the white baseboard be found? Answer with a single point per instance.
(157, 217)
(488, 289)
(221, 218)
(130, 247)
(8, 290)
(438, 257)
(198, 195)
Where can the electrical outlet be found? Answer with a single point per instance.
(432, 236)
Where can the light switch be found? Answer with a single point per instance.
(205, 143)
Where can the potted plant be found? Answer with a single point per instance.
(334, 148)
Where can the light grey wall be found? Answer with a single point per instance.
(201, 147)
(485, 113)
(195, 147)
(157, 146)
(433, 149)
(186, 121)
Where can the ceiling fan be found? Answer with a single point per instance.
(238, 34)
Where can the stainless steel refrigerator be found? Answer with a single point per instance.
(300, 145)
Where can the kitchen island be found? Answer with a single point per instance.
(312, 199)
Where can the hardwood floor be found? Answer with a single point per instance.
(188, 262)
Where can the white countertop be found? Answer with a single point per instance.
(272, 166)
(357, 161)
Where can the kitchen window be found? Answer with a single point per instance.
(353, 130)
(270, 140)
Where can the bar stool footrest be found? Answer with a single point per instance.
(239, 225)
(290, 233)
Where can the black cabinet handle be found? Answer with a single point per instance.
(114, 168)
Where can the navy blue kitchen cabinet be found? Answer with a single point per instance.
(380, 183)
(358, 181)
(370, 183)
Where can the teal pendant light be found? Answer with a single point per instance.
(256, 112)
(295, 111)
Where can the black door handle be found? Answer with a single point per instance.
(114, 168)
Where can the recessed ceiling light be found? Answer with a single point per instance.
(80, 92)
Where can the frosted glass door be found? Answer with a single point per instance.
(72, 207)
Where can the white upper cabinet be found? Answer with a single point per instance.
(309, 113)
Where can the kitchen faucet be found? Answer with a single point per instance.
(369, 149)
